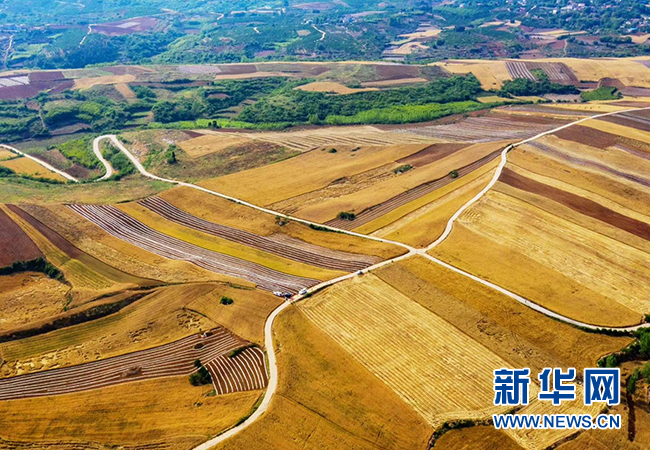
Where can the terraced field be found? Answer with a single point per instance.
(244, 372)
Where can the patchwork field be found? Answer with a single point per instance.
(26, 166)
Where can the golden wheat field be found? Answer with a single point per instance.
(26, 166)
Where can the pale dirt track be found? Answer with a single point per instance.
(98, 154)
(268, 328)
(42, 163)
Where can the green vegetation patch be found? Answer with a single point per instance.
(602, 93)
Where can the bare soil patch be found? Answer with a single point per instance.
(15, 244)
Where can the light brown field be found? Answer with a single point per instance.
(29, 296)
(476, 438)
(323, 207)
(396, 82)
(117, 253)
(125, 90)
(431, 32)
(327, 401)
(207, 144)
(408, 48)
(218, 210)
(491, 74)
(26, 166)
(6, 154)
(578, 273)
(86, 83)
(370, 319)
(304, 173)
(164, 413)
(154, 320)
(224, 246)
(330, 87)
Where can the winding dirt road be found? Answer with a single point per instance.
(411, 251)
(42, 163)
(98, 153)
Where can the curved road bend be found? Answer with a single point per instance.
(268, 327)
(98, 153)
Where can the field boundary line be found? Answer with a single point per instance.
(42, 163)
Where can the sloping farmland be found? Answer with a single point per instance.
(16, 245)
(284, 246)
(403, 344)
(122, 226)
(246, 371)
(168, 360)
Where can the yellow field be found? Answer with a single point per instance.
(330, 87)
(168, 410)
(476, 438)
(6, 154)
(397, 82)
(27, 297)
(619, 130)
(224, 246)
(595, 107)
(521, 336)
(157, 319)
(117, 253)
(578, 273)
(26, 166)
(304, 173)
(401, 343)
(628, 70)
(491, 74)
(327, 401)
(324, 208)
(209, 143)
(218, 210)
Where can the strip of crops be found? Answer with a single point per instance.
(285, 246)
(124, 227)
(172, 359)
(244, 372)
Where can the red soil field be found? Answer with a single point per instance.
(288, 247)
(431, 154)
(629, 120)
(236, 69)
(579, 204)
(15, 244)
(127, 26)
(396, 72)
(35, 77)
(587, 136)
(167, 360)
(244, 372)
(73, 252)
(402, 199)
(125, 227)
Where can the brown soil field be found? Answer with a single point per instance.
(476, 438)
(286, 247)
(223, 212)
(367, 317)
(16, 245)
(115, 252)
(173, 359)
(432, 154)
(629, 120)
(206, 144)
(393, 82)
(587, 136)
(579, 204)
(26, 166)
(326, 400)
(86, 83)
(619, 130)
(132, 230)
(157, 319)
(577, 272)
(29, 296)
(166, 413)
(521, 336)
(304, 173)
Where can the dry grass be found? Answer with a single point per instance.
(325, 208)
(330, 87)
(578, 273)
(167, 410)
(157, 319)
(26, 166)
(117, 253)
(396, 82)
(408, 48)
(86, 83)
(616, 129)
(431, 32)
(476, 438)
(218, 210)
(628, 70)
(6, 154)
(207, 144)
(327, 401)
(220, 245)
(368, 318)
(304, 173)
(27, 297)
